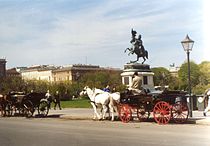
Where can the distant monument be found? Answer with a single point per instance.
(133, 66)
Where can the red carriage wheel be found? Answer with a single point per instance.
(125, 113)
(180, 112)
(162, 112)
(142, 114)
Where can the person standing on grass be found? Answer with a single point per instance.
(57, 100)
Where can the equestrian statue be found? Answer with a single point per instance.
(137, 47)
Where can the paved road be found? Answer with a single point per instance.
(18, 131)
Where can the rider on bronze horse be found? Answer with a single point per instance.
(137, 47)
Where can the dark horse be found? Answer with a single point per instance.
(137, 47)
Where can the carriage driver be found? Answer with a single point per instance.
(136, 85)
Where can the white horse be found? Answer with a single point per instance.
(97, 98)
(114, 101)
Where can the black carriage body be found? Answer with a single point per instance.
(15, 97)
(35, 98)
(171, 97)
(39, 101)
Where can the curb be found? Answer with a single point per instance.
(203, 121)
(86, 114)
(67, 117)
(199, 121)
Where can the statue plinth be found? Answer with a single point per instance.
(143, 70)
(136, 67)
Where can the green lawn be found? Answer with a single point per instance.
(78, 103)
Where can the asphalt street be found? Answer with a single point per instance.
(75, 127)
(20, 131)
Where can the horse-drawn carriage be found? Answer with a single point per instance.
(18, 103)
(40, 101)
(165, 105)
(12, 104)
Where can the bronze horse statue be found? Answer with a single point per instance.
(137, 48)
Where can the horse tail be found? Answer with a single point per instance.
(146, 54)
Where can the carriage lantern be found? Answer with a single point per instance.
(187, 44)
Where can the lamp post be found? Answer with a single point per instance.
(187, 44)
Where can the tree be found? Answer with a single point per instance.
(159, 75)
(204, 79)
(205, 70)
(162, 77)
(194, 75)
(11, 84)
(101, 79)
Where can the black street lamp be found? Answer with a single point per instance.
(187, 44)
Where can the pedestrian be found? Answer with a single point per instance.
(57, 100)
(49, 98)
(207, 96)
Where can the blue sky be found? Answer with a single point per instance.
(62, 32)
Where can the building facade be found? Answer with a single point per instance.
(60, 74)
(3, 67)
(41, 72)
(174, 71)
(13, 73)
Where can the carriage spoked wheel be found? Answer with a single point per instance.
(125, 113)
(162, 112)
(43, 108)
(180, 112)
(28, 108)
(142, 114)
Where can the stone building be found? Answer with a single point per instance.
(174, 71)
(74, 72)
(3, 67)
(59, 74)
(12, 73)
(38, 72)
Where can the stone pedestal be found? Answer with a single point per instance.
(143, 70)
